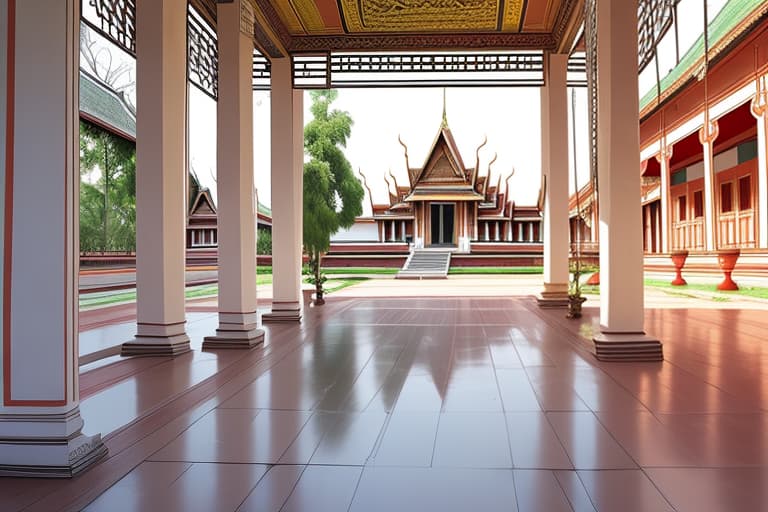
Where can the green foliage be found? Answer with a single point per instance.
(333, 196)
(264, 242)
(108, 208)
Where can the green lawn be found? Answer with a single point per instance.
(382, 271)
(494, 270)
(746, 291)
(689, 290)
(102, 299)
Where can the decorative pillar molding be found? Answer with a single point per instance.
(161, 85)
(707, 136)
(664, 158)
(287, 194)
(760, 111)
(554, 164)
(238, 321)
(622, 334)
(40, 423)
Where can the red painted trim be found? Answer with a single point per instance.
(8, 225)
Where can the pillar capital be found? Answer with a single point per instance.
(709, 132)
(759, 104)
(666, 152)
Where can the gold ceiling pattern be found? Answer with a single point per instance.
(323, 25)
(432, 16)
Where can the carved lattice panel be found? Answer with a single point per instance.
(203, 55)
(655, 17)
(116, 21)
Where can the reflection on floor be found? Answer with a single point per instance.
(432, 404)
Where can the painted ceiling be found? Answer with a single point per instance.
(338, 17)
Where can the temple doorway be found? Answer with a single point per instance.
(442, 222)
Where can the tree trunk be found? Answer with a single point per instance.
(319, 300)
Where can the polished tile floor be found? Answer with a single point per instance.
(444, 404)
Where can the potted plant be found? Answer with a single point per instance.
(575, 299)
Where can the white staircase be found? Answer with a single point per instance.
(426, 264)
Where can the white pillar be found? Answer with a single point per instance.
(161, 77)
(554, 164)
(664, 158)
(707, 135)
(487, 236)
(238, 323)
(287, 193)
(402, 230)
(40, 423)
(760, 111)
(621, 243)
(393, 225)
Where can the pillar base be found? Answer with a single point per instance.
(157, 340)
(227, 338)
(635, 347)
(236, 330)
(46, 445)
(283, 312)
(554, 295)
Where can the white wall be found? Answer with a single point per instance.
(359, 232)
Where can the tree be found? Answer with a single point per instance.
(108, 208)
(333, 196)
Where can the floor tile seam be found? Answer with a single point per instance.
(682, 369)
(706, 318)
(379, 388)
(658, 489)
(538, 398)
(599, 368)
(615, 440)
(106, 384)
(213, 395)
(559, 439)
(443, 394)
(391, 372)
(200, 408)
(288, 350)
(571, 502)
(357, 486)
(586, 491)
(450, 371)
(586, 355)
(506, 419)
(293, 489)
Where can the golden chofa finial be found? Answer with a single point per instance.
(407, 164)
(365, 184)
(394, 180)
(477, 160)
(488, 177)
(445, 109)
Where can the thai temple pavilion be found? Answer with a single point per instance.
(447, 204)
